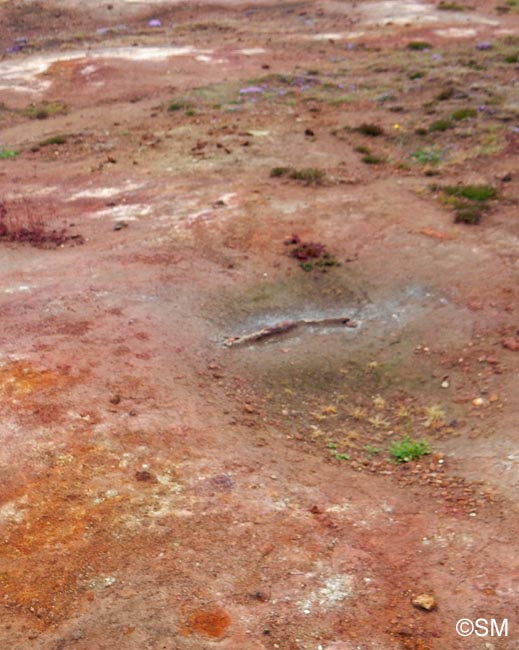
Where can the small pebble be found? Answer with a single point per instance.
(424, 601)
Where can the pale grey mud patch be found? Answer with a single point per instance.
(333, 592)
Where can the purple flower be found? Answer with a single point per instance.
(436, 57)
(155, 22)
(14, 48)
(484, 45)
(251, 90)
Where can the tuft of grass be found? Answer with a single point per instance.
(419, 45)
(511, 58)
(445, 94)
(463, 114)
(309, 175)
(406, 450)
(55, 139)
(8, 153)
(372, 159)
(450, 6)
(339, 456)
(440, 126)
(469, 214)
(434, 416)
(276, 172)
(361, 149)
(178, 106)
(22, 222)
(373, 130)
(371, 450)
(425, 156)
(416, 75)
(471, 192)
(468, 201)
(45, 110)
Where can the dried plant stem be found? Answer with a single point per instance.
(286, 326)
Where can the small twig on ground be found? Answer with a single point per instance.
(286, 326)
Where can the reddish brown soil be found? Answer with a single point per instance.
(161, 491)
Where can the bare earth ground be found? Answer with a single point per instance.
(160, 490)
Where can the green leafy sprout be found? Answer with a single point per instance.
(405, 450)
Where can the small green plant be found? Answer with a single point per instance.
(8, 153)
(276, 172)
(178, 106)
(419, 45)
(371, 450)
(338, 456)
(511, 58)
(445, 94)
(405, 450)
(190, 112)
(332, 445)
(450, 6)
(322, 264)
(468, 201)
(372, 159)
(362, 149)
(440, 126)
(55, 139)
(471, 192)
(469, 214)
(425, 156)
(416, 75)
(45, 110)
(309, 175)
(373, 130)
(463, 114)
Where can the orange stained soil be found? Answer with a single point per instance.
(212, 623)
